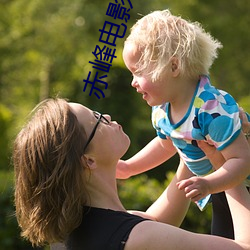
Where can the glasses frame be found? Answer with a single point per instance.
(100, 118)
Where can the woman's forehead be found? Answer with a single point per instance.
(78, 108)
(84, 115)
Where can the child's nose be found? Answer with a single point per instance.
(134, 83)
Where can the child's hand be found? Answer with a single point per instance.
(194, 187)
(122, 170)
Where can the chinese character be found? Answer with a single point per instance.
(96, 80)
(107, 54)
(101, 65)
(109, 34)
(104, 56)
(115, 10)
(130, 4)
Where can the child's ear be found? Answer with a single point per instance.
(175, 66)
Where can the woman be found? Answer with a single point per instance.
(65, 166)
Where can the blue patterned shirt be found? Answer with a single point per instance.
(213, 115)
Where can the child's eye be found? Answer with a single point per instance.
(138, 74)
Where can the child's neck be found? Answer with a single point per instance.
(180, 105)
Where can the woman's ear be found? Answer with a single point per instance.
(89, 161)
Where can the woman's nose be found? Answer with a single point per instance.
(108, 117)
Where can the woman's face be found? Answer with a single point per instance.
(109, 140)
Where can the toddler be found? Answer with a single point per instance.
(170, 59)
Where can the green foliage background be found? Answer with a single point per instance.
(45, 49)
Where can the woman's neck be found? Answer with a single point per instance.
(102, 189)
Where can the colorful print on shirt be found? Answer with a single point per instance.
(213, 115)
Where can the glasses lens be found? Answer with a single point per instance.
(97, 115)
(100, 117)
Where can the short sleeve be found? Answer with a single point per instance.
(159, 121)
(162, 136)
(219, 120)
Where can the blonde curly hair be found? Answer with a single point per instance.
(49, 184)
(160, 36)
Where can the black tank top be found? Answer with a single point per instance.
(102, 229)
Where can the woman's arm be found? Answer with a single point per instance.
(160, 236)
(239, 203)
(171, 207)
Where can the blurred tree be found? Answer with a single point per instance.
(45, 49)
(228, 22)
(5, 123)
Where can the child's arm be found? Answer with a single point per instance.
(153, 154)
(234, 171)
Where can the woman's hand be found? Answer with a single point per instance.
(245, 124)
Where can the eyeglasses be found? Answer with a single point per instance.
(100, 118)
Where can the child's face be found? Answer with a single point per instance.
(154, 93)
